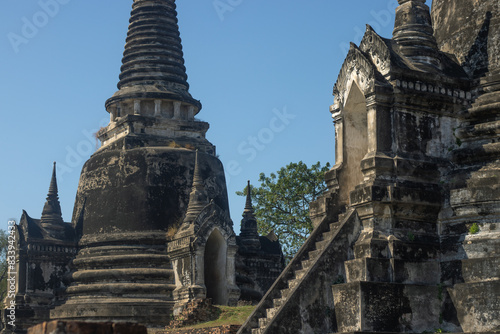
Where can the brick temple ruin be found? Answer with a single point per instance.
(151, 229)
(406, 238)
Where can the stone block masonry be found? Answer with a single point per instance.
(194, 312)
(417, 168)
(226, 329)
(74, 327)
(151, 228)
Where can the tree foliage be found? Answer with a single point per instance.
(281, 203)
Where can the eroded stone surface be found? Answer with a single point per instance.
(417, 131)
(151, 228)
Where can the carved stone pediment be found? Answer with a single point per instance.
(198, 231)
(210, 217)
(357, 68)
(377, 50)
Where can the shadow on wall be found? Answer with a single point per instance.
(477, 62)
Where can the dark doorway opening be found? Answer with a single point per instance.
(215, 268)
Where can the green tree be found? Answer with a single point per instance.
(281, 203)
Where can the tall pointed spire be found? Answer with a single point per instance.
(414, 34)
(249, 235)
(197, 179)
(198, 198)
(153, 61)
(153, 103)
(248, 212)
(52, 209)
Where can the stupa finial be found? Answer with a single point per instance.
(414, 34)
(248, 211)
(198, 198)
(52, 209)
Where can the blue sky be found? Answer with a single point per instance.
(247, 61)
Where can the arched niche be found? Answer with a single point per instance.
(354, 143)
(215, 258)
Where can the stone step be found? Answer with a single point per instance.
(314, 254)
(482, 269)
(285, 293)
(475, 302)
(256, 331)
(270, 313)
(414, 251)
(482, 245)
(293, 283)
(306, 263)
(322, 244)
(334, 227)
(278, 302)
(329, 235)
(263, 322)
(297, 266)
(300, 273)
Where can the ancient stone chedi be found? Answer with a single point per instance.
(151, 227)
(155, 173)
(407, 237)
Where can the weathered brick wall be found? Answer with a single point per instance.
(194, 312)
(74, 327)
(228, 329)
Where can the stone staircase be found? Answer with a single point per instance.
(477, 296)
(295, 276)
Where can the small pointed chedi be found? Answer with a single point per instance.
(44, 250)
(51, 214)
(198, 197)
(249, 236)
(259, 259)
